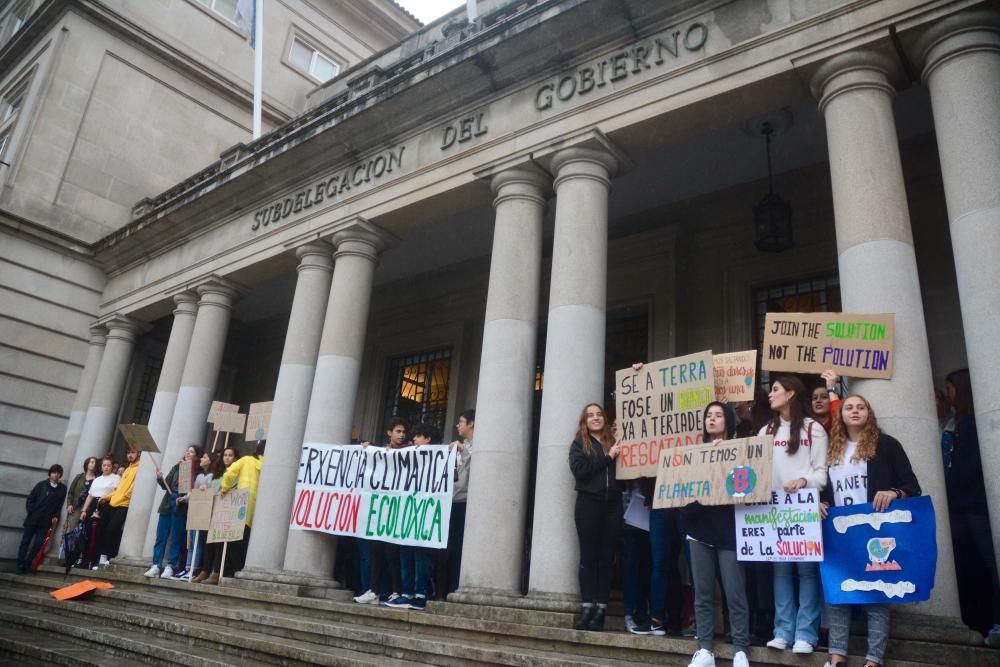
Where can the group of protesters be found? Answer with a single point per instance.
(819, 439)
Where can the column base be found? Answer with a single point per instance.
(490, 597)
(543, 601)
(283, 582)
(129, 564)
(937, 629)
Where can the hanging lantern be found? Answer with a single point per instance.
(772, 216)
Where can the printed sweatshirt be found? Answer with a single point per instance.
(808, 462)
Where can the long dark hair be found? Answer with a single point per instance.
(728, 413)
(218, 468)
(583, 432)
(798, 410)
(963, 395)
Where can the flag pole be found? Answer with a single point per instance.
(258, 64)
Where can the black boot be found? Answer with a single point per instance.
(596, 622)
(584, 622)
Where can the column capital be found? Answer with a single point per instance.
(959, 34)
(123, 327)
(850, 71)
(187, 303)
(315, 255)
(361, 238)
(218, 291)
(98, 334)
(526, 182)
(579, 162)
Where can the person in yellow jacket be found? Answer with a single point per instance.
(112, 522)
(244, 474)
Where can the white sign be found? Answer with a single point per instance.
(786, 529)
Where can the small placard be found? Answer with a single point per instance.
(259, 421)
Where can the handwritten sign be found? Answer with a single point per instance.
(218, 407)
(735, 376)
(185, 476)
(259, 420)
(785, 528)
(229, 516)
(852, 344)
(730, 472)
(880, 557)
(401, 496)
(230, 422)
(659, 407)
(138, 437)
(199, 516)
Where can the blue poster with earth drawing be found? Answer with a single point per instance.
(880, 557)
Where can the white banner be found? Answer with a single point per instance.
(401, 496)
(786, 529)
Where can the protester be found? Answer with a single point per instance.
(597, 514)
(635, 559)
(244, 474)
(415, 562)
(43, 506)
(170, 528)
(79, 489)
(179, 522)
(825, 402)
(213, 552)
(711, 536)
(865, 466)
(466, 429)
(202, 481)
(112, 523)
(971, 536)
(799, 462)
(100, 489)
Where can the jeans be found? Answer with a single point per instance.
(196, 537)
(635, 572)
(666, 543)
(169, 527)
(31, 542)
(703, 562)
(598, 526)
(415, 569)
(839, 617)
(797, 621)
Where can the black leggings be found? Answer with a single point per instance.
(599, 526)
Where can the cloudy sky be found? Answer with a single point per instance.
(428, 10)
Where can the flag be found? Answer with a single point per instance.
(246, 19)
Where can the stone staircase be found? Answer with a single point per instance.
(160, 622)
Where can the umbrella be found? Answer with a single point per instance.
(74, 542)
(41, 550)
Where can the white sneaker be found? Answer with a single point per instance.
(777, 643)
(168, 573)
(153, 571)
(104, 562)
(368, 597)
(740, 659)
(802, 647)
(703, 658)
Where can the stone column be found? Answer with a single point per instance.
(308, 554)
(266, 553)
(494, 536)
(878, 272)
(98, 338)
(962, 70)
(574, 361)
(198, 379)
(106, 398)
(141, 508)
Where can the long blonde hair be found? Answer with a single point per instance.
(867, 442)
(583, 433)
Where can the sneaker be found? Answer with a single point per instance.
(95, 568)
(104, 562)
(398, 602)
(802, 647)
(740, 659)
(368, 597)
(418, 603)
(778, 643)
(183, 574)
(391, 598)
(655, 628)
(153, 571)
(690, 631)
(702, 658)
(168, 573)
(637, 628)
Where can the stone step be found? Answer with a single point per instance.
(26, 647)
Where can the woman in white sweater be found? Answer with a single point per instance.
(799, 462)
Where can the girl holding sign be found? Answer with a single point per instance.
(799, 462)
(711, 535)
(598, 512)
(866, 466)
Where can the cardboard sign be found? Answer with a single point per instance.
(785, 528)
(230, 422)
(78, 589)
(138, 437)
(185, 476)
(218, 407)
(229, 516)
(199, 516)
(880, 557)
(735, 376)
(659, 407)
(401, 496)
(259, 421)
(852, 344)
(730, 472)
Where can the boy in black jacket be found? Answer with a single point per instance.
(43, 505)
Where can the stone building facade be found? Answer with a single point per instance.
(499, 214)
